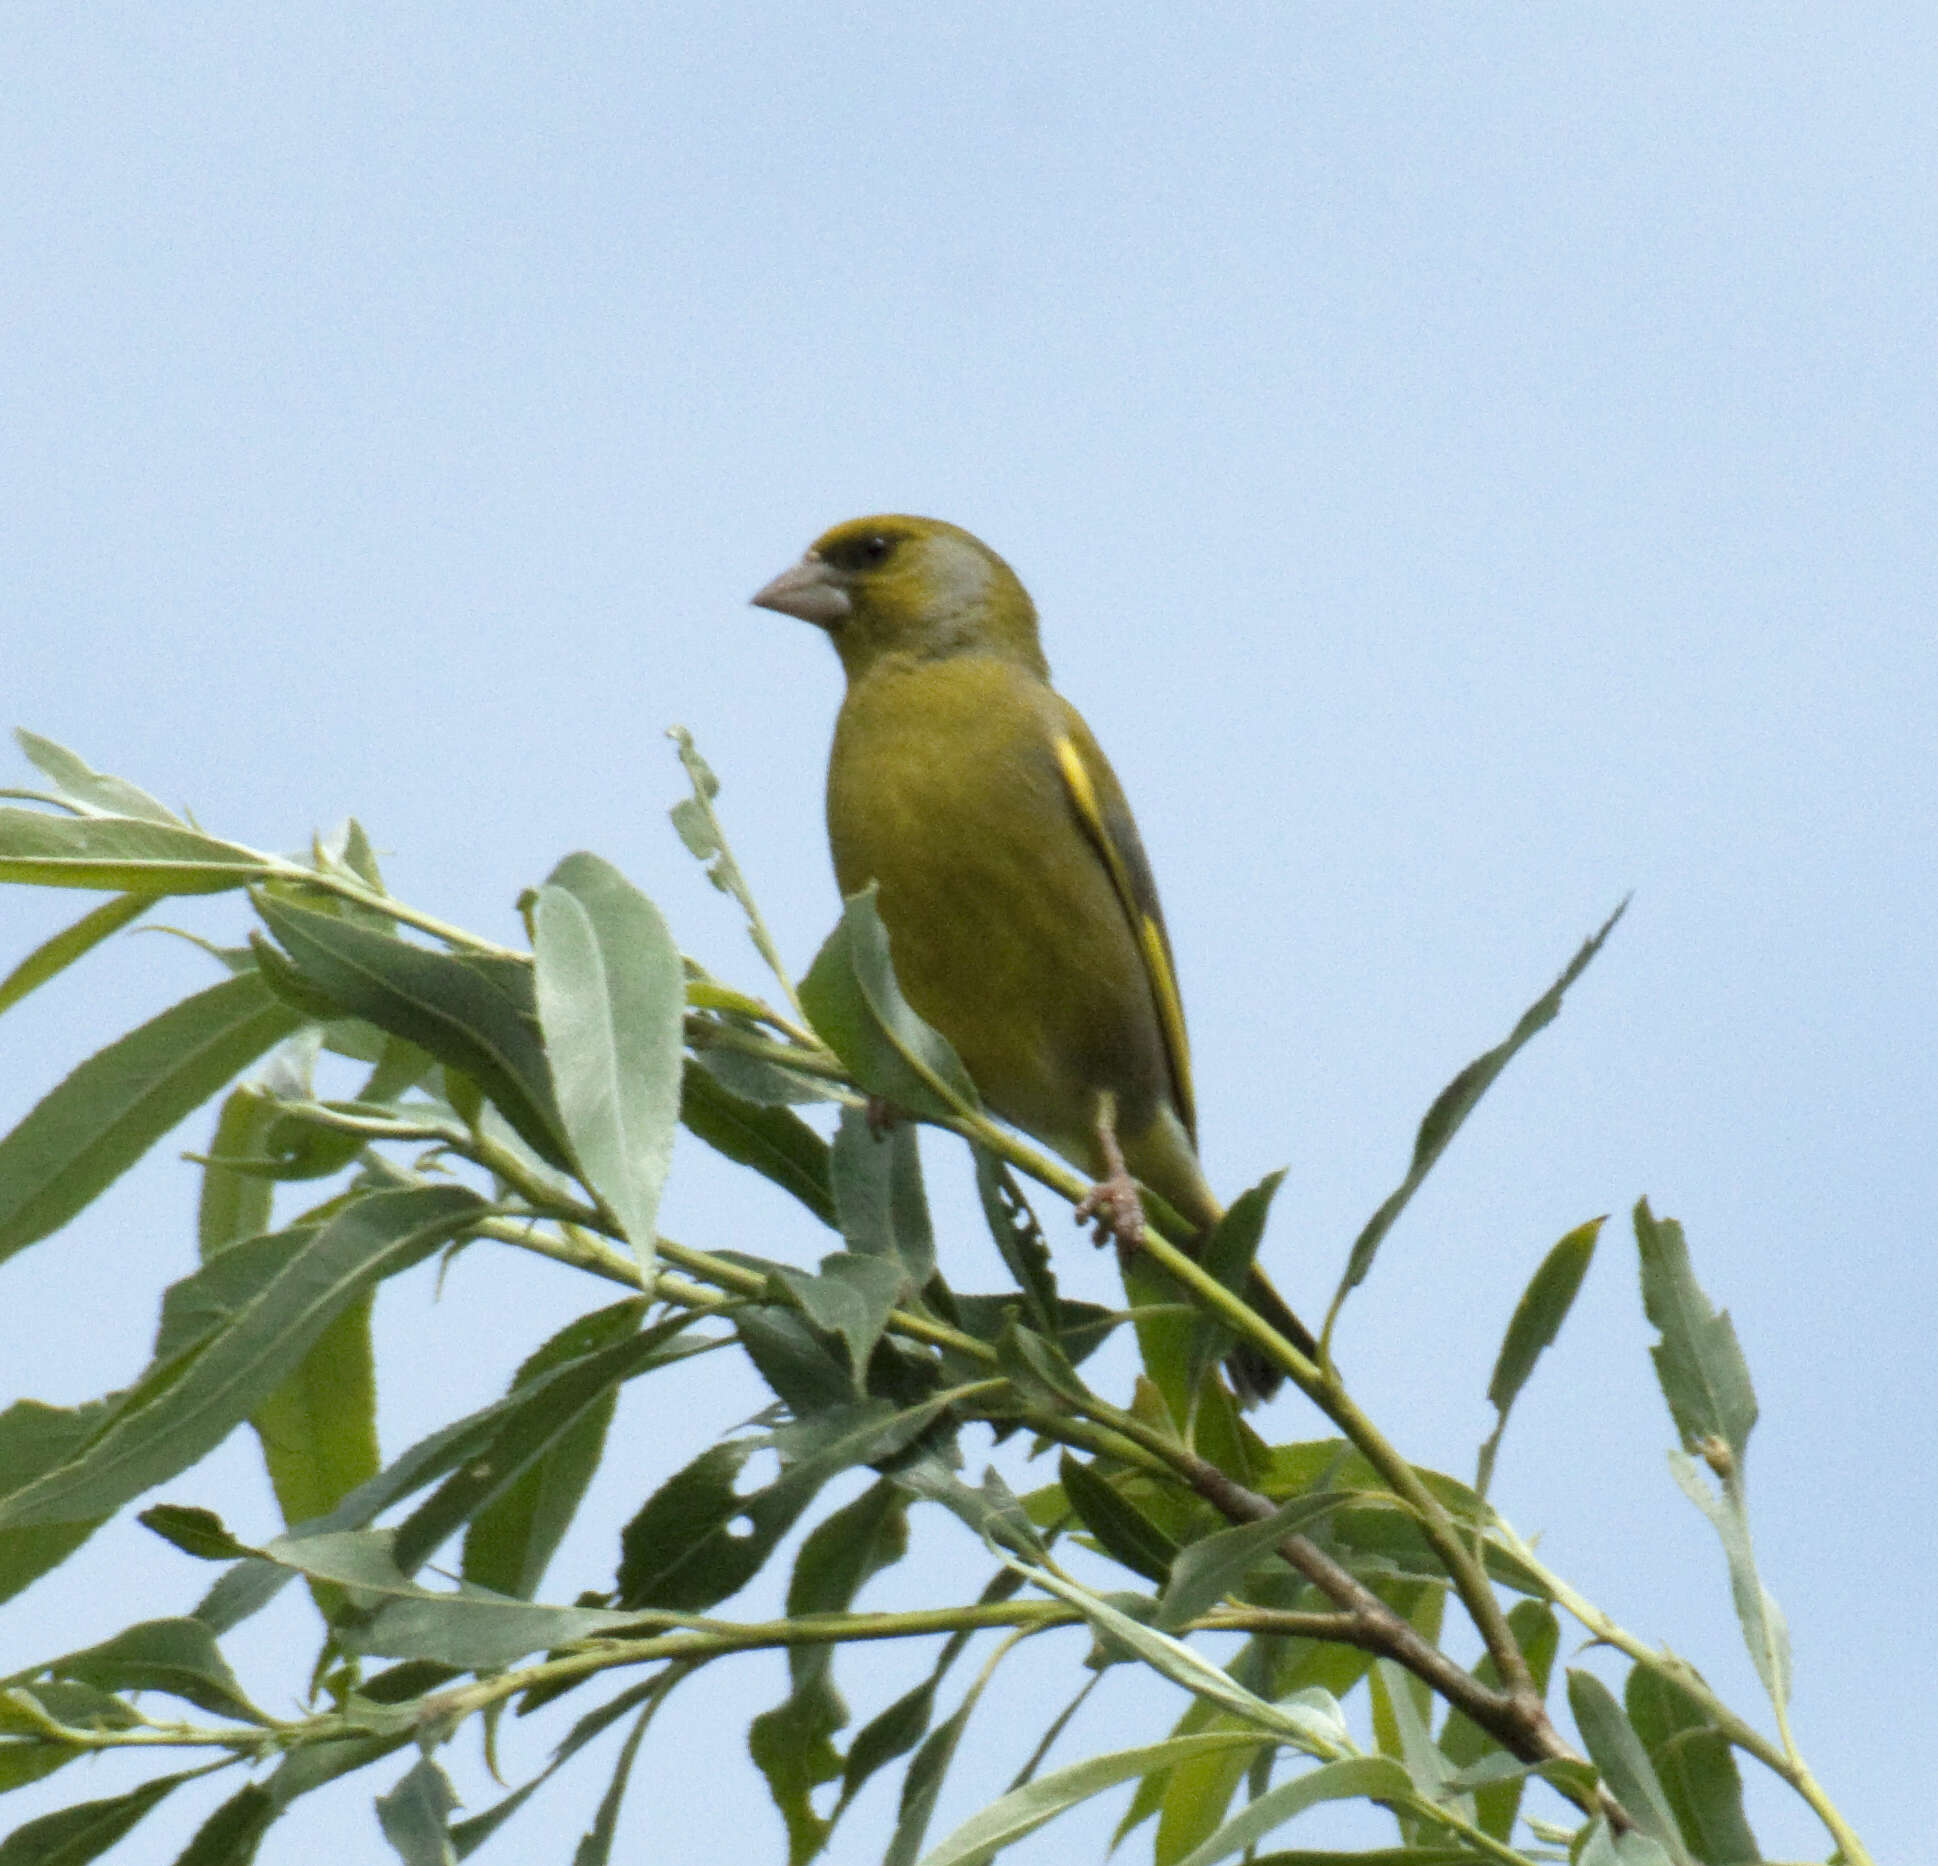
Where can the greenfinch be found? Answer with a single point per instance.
(1021, 913)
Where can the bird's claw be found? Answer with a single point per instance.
(1118, 1213)
(882, 1116)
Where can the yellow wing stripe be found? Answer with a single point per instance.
(1149, 935)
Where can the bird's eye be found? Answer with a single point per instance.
(874, 548)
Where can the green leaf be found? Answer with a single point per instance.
(1369, 1778)
(1537, 1319)
(806, 1371)
(1019, 1238)
(25, 1709)
(685, 1549)
(1010, 1817)
(194, 1531)
(416, 1815)
(858, 1010)
(35, 1438)
(1538, 1316)
(1456, 1102)
(611, 1003)
(470, 1629)
(235, 1205)
(896, 1730)
(792, 1747)
(72, 1836)
(74, 777)
(318, 1428)
(1696, 1767)
(473, 1012)
(84, 1134)
(117, 854)
(547, 1430)
(1126, 1534)
(1706, 1382)
(851, 1297)
(1698, 1362)
(231, 1835)
(513, 1537)
(878, 1198)
(1227, 1254)
(1764, 1630)
(774, 1141)
(595, 1848)
(991, 1509)
(1618, 1753)
(1465, 1743)
(53, 956)
(178, 1414)
(468, 1836)
(1216, 1565)
(922, 1783)
(176, 1656)
(1599, 1845)
(758, 1079)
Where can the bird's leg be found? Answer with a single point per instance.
(1113, 1200)
(882, 1116)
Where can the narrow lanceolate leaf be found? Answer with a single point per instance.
(72, 1836)
(187, 1411)
(850, 1297)
(1227, 1254)
(1696, 1766)
(773, 1140)
(176, 1656)
(1007, 1819)
(1123, 1531)
(1618, 1753)
(231, 1835)
(1698, 1362)
(55, 955)
(416, 1816)
(1456, 1102)
(1765, 1631)
(697, 1540)
(611, 1000)
(474, 1012)
(74, 777)
(117, 854)
(1537, 1319)
(877, 1181)
(791, 1744)
(319, 1427)
(85, 1133)
(470, 1629)
(36, 1438)
(1538, 1316)
(858, 1010)
(1216, 1565)
(1358, 1778)
(520, 1492)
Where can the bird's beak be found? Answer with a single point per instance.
(811, 590)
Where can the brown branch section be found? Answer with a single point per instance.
(1516, 1719)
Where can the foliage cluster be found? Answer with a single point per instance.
(527, 1100)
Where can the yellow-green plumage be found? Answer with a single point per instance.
(1021, 913)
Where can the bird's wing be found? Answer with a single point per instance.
(1099, 802)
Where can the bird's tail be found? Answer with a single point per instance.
(1256, 1377)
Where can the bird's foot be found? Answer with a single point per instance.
(1113, 1206)
(882, 1116)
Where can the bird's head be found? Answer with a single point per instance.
(896, 585)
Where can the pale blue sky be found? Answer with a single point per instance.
(1471, 461)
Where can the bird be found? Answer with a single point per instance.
(1022, 917)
